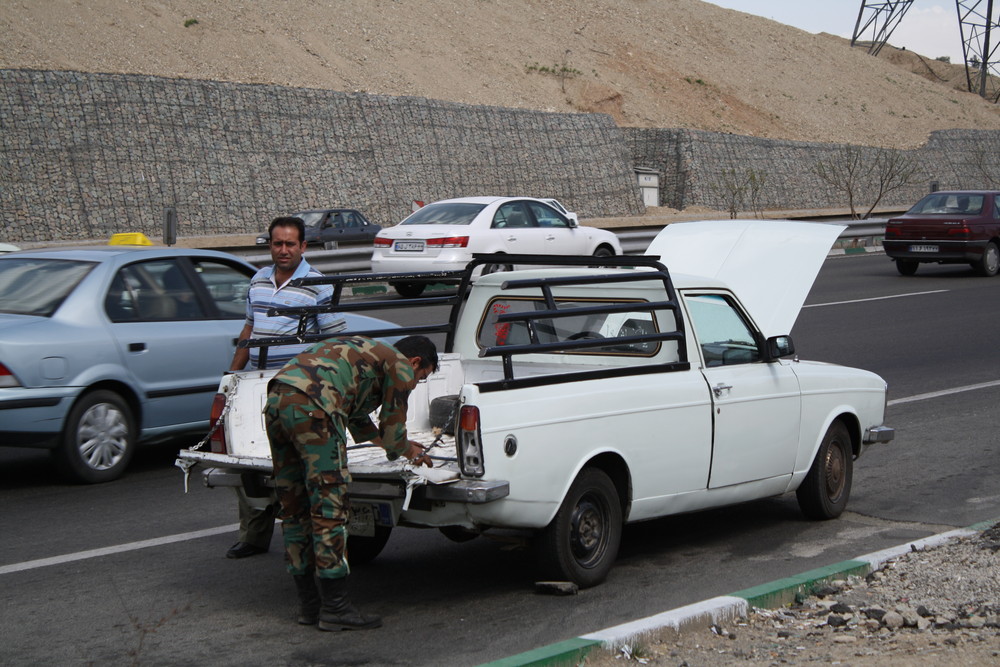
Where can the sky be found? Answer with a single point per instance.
(929, 27)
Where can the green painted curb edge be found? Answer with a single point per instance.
(569, 652)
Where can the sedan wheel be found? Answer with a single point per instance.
(989, 264)
(409, 290)
(98, 439)
(906, 267)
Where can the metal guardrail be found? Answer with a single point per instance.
(633, 242)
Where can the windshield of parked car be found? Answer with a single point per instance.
(444, 214)
(38, 286)
(948, 202)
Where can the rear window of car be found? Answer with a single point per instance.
(944, 203)
(444, 214)
(611, 325)
(38, 286)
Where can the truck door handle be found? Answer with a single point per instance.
(136, 347)
(719, 388)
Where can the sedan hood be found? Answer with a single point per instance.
(770, 265)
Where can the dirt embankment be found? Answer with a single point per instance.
(662, 63)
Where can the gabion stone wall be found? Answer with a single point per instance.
(83, 156)
(700, 168)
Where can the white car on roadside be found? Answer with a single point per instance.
(444, 235)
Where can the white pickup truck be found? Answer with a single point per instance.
(585, 398)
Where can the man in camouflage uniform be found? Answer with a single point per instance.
(333, 386)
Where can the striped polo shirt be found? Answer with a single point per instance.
(265, 294)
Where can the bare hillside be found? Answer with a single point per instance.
(651, 63)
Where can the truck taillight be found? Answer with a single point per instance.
(470, 448)
(218, 439)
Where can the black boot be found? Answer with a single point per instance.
(309, 600)
(337, 612)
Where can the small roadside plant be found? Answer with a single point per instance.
(741, 190)
(190, 22)
(867, 174)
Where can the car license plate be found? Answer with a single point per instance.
(923, 248)
(365, 516)
(409, 246)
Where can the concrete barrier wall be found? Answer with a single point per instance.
(697, 168)
(85, 155)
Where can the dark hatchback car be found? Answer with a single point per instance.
(331, 226)
(954, 227)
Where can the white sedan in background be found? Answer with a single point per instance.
(444, 235)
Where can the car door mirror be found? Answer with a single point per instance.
(779, 347)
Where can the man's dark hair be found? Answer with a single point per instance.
(289, 221)
(419, 346)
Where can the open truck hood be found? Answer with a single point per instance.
(769, 264)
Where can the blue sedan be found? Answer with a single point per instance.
(102, 348)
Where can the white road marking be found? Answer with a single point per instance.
(119, 548)
(945, 392)
(874, 298)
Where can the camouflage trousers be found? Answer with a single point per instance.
(309, 453)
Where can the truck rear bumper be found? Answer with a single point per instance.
(471, 491)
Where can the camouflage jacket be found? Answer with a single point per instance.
(348, 378)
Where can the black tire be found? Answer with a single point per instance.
(409, 290)
(604, 251)
(98, 438)
(581, 543)
(906, 267)
(458, 534)
(824, 492)
(363, 549)
(496, 268)
(989, 263)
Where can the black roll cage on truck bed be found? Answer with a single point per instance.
(530, 319)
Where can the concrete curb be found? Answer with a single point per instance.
(724, 608)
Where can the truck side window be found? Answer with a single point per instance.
(723, 333)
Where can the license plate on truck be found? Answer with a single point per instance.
(366, 515)
(923, 248)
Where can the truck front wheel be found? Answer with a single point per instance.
(581, 543)
(824, 492)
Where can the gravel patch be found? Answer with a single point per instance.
(939, 606)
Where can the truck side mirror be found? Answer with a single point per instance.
(779, 347)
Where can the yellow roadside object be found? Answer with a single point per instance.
(129, 238)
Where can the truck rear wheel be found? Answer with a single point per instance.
(581, 543)
(363, 549)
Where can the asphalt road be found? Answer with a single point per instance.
(131, 579)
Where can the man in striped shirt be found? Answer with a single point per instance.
(270, 288)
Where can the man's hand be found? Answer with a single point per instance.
(417, 456)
